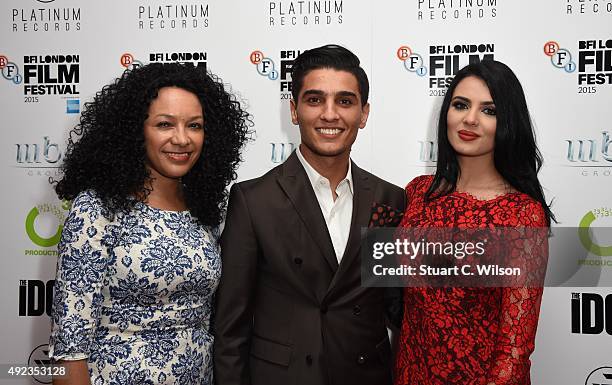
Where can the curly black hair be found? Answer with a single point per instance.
(106, 150)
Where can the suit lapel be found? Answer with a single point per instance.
(296, 186)
(362, 206)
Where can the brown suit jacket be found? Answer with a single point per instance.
(287, 313)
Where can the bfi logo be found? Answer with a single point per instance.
(281, 151)
(559, 57)
(585, 150)
(265, 65)
(39, 69)
(446, 60)
(413, 62)
(286, 64)
(10, 71)
(128, 61)
(31, 153)
(591, 313)
(35, 297)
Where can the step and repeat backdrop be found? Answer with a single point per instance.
(55, 54)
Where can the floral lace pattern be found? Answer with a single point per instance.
(133, 295)
(475, 336)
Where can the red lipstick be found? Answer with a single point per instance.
(467, 136)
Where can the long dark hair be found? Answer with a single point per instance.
(516, 155)
(106, 151)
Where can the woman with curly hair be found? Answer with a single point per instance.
(147, 169)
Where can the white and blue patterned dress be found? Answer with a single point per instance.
(133, 295)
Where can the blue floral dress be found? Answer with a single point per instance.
(133, 295)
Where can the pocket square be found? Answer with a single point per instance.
(384, 216)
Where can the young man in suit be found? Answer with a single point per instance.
(290, 305)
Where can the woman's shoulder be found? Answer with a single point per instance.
(89, 203)
(417, 187)
(87, 200)
(420, 183)
(529, 211)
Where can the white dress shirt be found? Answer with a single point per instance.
(338, 213)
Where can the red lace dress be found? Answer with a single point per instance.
(467, 335)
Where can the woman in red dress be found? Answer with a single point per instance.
(486, 176)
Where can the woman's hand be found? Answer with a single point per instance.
(77, 373)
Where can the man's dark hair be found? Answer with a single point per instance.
(328, 56)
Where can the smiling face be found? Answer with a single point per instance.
(173, 133)
(329, 113)
(471, 119)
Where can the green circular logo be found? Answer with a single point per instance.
(585, 237)
(37, 239)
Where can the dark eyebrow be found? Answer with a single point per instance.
(313, 92)
(169, 116)
(321, 93)
(347, 93)
(463, 98)
(164, 116)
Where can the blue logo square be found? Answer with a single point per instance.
(73, 106)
